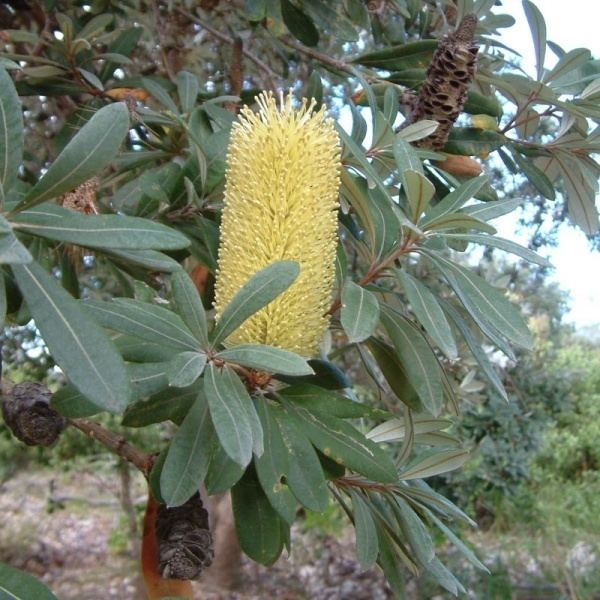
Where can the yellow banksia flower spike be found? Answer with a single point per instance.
(281, 200)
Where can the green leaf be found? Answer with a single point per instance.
(187, 90)
(471, 141)
(476, 350)
(147, 378)
(502, 244)
(266, 358)
(148, 259)
(435, 464)
(488, 306)
(159, 93)
(458, 220)
(398, 58)
(299, 24)
(419, 192)
(418, 131)
(313, 397)
(81, 349)
(186, 463)
(341, 442)
(263, 287)
(11, 132)
(429, 313)
(70, 402)
(478, 104)
(135, 350)
(420, 363)
(406, 157)
(18, 585)
(169, 404)
(359, 313)
(367, 545)
(327, 375)
(455, 199)
(189, 305)
(185, 368)
(304, 472)
(3, 300)
(536, 176)
(112, 232)
(143, 320)
(394, 430)
(12, 252)
(90, 150)
(257, 524)
(394, 373)
(414, 530)
(228, 412)
(537, 25)
(487, 211)
(568, 63)
(223, 473)
(272, 466)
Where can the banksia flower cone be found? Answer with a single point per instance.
(281, 200)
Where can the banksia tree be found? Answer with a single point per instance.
(281, 200)
(266, 202)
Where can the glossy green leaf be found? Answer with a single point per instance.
(185, 368)
(313, 397)
(327, 375)
(189, 305)
(455, 199)
(429, 313)
(471, 141)
(341, 442)
(394, 373)
(11, 133)
(367, 545)
(476, 350)
(143, 320)
(168, 405)
(186, 463)
(487, 305)
(257, 524)
(84, 352)
(359, 312)
(272, 466)
(420, 363)
(187, 90)
(263, 287)
(18, 585)
(304, 475)
(398, 58)
(229, 414)
(266, 358)
(88, 152)
(299, 24)
(112, 232)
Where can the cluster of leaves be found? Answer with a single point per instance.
(298, 436)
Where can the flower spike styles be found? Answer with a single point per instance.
(281, 201)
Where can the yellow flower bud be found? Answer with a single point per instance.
(281, 200)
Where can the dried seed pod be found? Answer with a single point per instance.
(27, 413)
(444, 92)
(185, 545)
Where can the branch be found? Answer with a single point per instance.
(271, 75)
(115, 443)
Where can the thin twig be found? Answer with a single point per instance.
(271, 75)
(115, 443)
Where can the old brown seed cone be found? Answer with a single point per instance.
(27, 413)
